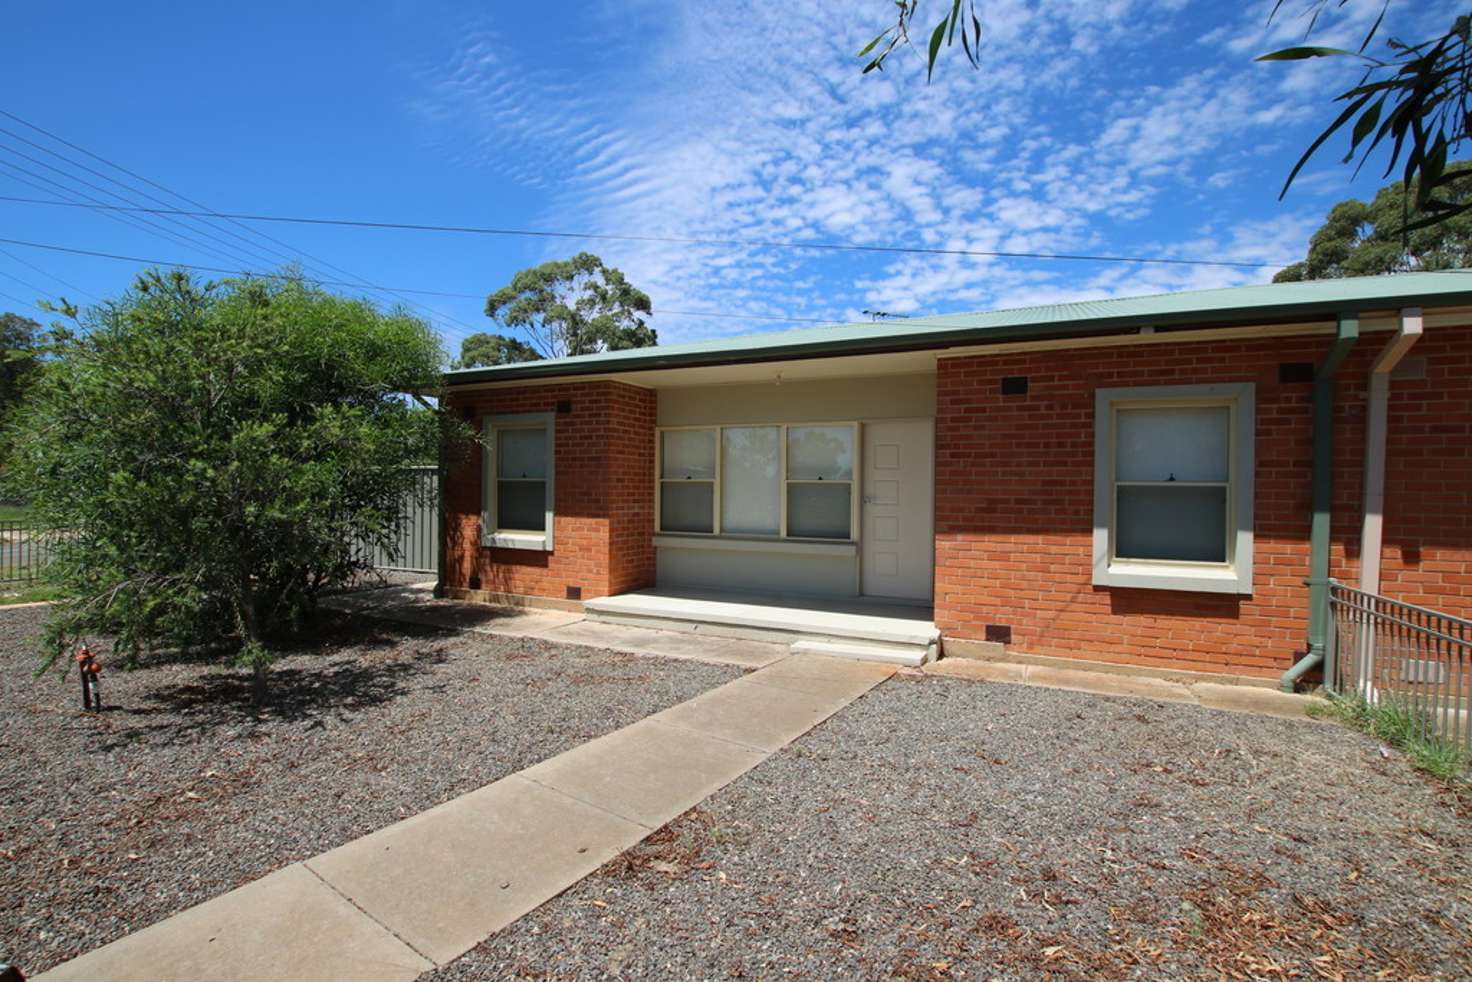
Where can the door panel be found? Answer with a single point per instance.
(898, 548)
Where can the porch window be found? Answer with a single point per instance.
(687, 486)
(770, 481)
(820, 482)
(1173, 488)
(517, 479)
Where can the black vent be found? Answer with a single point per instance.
(1014, 385)
(475, 583)
(999, 633)
(1295, 372)
(564, 406)
(574, 593)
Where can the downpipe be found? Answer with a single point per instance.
(1323, 500)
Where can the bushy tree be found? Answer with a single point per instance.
(574, 306)
(20, 341)
(482, 350)
(208, 455)
(1366, 238)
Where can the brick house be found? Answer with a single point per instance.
(1147, 481)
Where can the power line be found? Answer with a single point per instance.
(295, 255)
(676, 240)
(49, 275)
(402, 289)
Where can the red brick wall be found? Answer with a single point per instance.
(1015, 485)
(603, 493)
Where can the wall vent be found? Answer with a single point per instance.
(564, 406)
(1295, 372)
(574, 593)
(999, 633)
(1014, 385)
(475, 583)
(1410, 369)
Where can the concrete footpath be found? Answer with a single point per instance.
(423, 891)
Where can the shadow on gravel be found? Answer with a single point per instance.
(340, 667)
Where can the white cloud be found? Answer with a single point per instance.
(750, 121)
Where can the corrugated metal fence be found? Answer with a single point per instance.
(1421, 659)
(417, 549)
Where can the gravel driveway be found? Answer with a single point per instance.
(179, 792)
(941, 829)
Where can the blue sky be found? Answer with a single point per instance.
(1102, 126)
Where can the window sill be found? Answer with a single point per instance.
(516, 540)
(805, 547)
(1190, 579)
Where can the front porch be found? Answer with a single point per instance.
(874, 630)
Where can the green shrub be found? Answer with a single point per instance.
(208, 455)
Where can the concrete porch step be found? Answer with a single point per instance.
(911, 655)
(763, 618)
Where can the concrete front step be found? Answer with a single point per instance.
(911, 655)
(764, 618)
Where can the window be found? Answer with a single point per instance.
(751, 485)
(687, 481)
(769, 481)
(518, 481)
(820, 478)
(1173, 487)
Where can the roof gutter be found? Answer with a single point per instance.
(647, 359)
(1323, 499)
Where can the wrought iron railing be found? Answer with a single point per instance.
(23, 552)
(1386, 651)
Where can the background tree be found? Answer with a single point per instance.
(1418, 96)
(574, 306)
(482, 350)
(1366, 238)
(209, 455)
(20, 341)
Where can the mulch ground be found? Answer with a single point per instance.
(940, 829)
(180, 790)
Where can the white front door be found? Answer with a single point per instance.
(898, 546)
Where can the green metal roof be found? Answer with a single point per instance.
(1265, 303)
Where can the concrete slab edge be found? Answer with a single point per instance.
(1207, 694)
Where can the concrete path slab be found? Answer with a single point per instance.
(669, 644)
(648, 773)
(750, 712)
(288, 924)
(446, 879)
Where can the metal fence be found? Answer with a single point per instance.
(417, 549)
(1392, 652)
(23, 552)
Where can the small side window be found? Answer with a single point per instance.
(1173, 488)
(518, 509)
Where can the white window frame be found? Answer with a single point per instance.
(491, 535)
(783, 482)
(1235, 574)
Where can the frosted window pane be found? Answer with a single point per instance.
(818, 511)
(521, 506)
(751, 494)
(687, 506)
(1187, 524)
(815, 452)
(1193, 443)
(523, 453)
(689, 453)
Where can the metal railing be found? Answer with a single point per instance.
(23, 552)
(417, 548)
(1386, 651)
